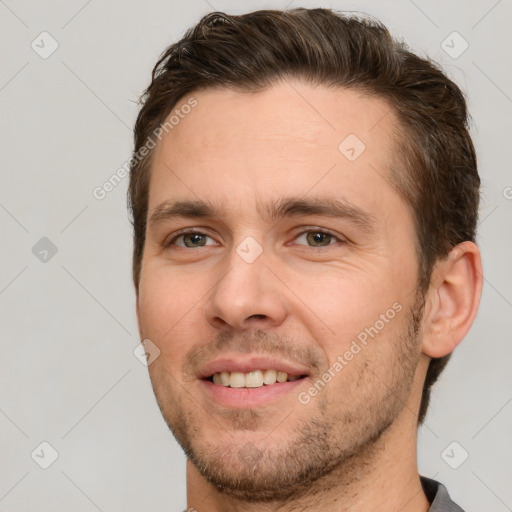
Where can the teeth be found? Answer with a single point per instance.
(221, 378)
(282, 376)
(269, 377)
(224, 378)
(237, 380)
(254, 379)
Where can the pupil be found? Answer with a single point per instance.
(319, 238)
(194, 239)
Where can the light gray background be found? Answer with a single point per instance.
(68, 375)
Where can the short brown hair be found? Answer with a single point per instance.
(438, 174)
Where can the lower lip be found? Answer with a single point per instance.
(243, 398)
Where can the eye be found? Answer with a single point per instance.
(191, 239)
(317, 238)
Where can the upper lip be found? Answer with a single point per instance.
(245, 364)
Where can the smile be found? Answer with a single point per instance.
(252, 379)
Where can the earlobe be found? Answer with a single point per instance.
(453, 299)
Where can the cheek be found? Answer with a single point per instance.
(345, 307)
(166, 310)
(344, 300)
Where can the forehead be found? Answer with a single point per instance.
(291, 137)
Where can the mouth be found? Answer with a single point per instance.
(252, 379)
(253, 382)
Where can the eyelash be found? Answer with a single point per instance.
(168, 244)
(183, 233)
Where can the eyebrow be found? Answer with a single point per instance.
(274, 210)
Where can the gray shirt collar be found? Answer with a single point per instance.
(438, 496)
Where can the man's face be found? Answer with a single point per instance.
(306, 259)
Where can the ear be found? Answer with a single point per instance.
(452, 300)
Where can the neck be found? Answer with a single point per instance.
(384, 477)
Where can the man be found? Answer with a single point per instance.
(304, 194)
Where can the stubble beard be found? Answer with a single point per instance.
(337, 441)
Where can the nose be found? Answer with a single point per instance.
(247, 295)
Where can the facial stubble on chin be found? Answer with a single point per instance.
(340, 435)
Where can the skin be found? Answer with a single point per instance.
(355, 440)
